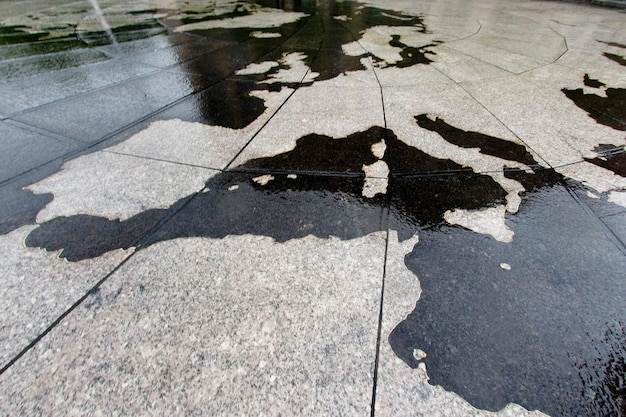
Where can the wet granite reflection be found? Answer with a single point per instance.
(527, 335)
(547, 334)
(319, 38)
(496, 336)
(487, 145)
(315, 189)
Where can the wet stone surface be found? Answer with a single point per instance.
(486, 329)
(124, 137)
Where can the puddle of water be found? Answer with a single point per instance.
(616, 44)
(617, 58)
(590, 82)
(488, 145)
(18, 34)
(609, 110)
(491, 337)
(319, 38)
(611, 158)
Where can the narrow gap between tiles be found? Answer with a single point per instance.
(59, 319)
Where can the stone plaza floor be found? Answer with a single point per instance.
(301, 207)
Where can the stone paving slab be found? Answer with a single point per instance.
(340, 208)
(107, 110)
(224, 337)
(24, 150)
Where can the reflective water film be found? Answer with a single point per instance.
(312, 207)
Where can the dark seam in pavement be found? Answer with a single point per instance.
(149, 158)
(385, 219)
(172, 211)
(157, 70)
(139, 244)
(89, 147)
(43, 132)
(85, 93)
(55, 323)
(505, 125)
(480, 27)
(385, 216)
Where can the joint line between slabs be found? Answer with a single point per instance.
(380, 319)
(66, 313)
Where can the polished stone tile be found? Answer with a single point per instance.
(182, 133)
(20, 95)
(401, 390)
(22, 150)
(37, 287)
(117, 186)
(29, 66)
(458, 109)
(268, 179)
(331, 111)
(102, 112)
(463, 68)
(147, 45)
(18, 205)
(544, 118)
(224, 337)
(497, 56)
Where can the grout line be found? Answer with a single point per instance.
(90, 91)
(385, 214)
(505, 125)
(149, 158)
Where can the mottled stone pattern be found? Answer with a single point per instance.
(312, 208)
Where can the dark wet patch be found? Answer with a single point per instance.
(488, 145)
(611, 158)
(606, 374)
(229, 104)
(411, 55)
(19, 34)
(609, 110)
(143, 11)
(238, 11)
(39, 48)
(617, 58)
(496, 336)
(319, 38)
(590, 82)
(361, 18)
(19, 207)
(323, 199)
(92, 236)
(616, 44)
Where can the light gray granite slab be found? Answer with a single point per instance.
(37, 287)
(240, 325)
